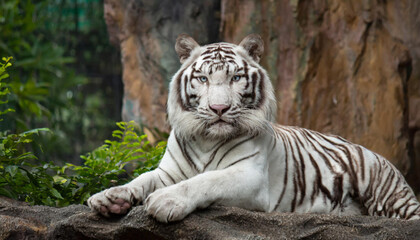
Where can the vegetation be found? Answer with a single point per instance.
(60, 79)
(50, 110)
(54, 185)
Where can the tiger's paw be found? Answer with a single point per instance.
(168, 205)
(116, 200)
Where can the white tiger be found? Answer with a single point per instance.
(223, 149)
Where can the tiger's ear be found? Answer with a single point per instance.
(184, 46)
(254, 46)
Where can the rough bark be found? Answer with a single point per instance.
(19, 221)
(341, 67)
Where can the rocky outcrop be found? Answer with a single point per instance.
(19, 221)
(341, 67)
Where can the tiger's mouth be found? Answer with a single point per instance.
(219, 121)
(222, 124)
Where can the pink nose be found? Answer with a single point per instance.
(219, 108)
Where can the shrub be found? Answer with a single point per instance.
(106, 166)
(53, 185)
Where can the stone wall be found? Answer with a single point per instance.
(344, 67)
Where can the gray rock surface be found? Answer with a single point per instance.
(20, 221)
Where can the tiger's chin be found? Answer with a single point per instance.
(222, 129)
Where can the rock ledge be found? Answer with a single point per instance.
(20, 221)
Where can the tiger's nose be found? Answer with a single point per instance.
(219, 109)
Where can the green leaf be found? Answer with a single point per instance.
(12, 170)
(59, 179)
(55, 193)
(36, 131)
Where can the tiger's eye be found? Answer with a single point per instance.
(236, 78)
(203, 79)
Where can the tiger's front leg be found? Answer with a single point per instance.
(240, 185)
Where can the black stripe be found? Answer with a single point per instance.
(254, 78)
(246, 73)
(337, 191)
(337, 158)
(185, 154)
(164, 184)
(362, 161)
(319, 178)
(218, 49)
(244, 158)
(404, 215)
(351, 170)
(299, 170)
(302, 180)
(295, 186)
(352, 173)
(377, 182)
(403, 205)
(286, 171)
(386, 186)
(213, 155)
(177, 164)
(261, 89)
(295, 195)
(173, 180)
(308, 135)
(178, 89)
(392, 196)
(368, 192)
(413, 212)
(233, 147)
(187, 96)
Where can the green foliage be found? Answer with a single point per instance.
(15, 179)
(18, 178)
(104, 167)
(4, 90)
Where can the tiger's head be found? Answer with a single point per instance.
(220, 91)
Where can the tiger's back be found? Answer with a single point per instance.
(328, 174)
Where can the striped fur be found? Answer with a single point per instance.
(236, 157)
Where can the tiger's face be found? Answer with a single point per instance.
(220, 90)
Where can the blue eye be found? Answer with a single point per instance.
(236, 78)
(203, 79)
